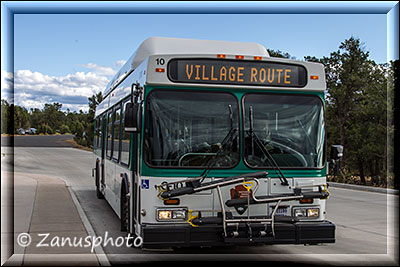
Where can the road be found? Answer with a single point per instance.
(36, 141)
(366, 222)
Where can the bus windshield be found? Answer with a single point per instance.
(290, 127)
(186, 129)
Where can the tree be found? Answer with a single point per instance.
(21, 117)
(36, 117)
(279, 53)
(6, 118)
(64, 129)
(79, 129)
(393, 137)
(356, 109)
(53, 115)
(45, 129)
(367, 132)
(94, 101)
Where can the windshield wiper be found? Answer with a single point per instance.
(256, 139)
(228, 139)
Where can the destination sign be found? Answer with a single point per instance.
(221, 71)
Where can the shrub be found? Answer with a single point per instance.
(45, 129)
(64, 129)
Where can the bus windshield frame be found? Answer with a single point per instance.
(311, 137)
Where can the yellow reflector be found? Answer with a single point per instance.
(221, 56)
(239, 57)
(314, 77)
(160, 70)
(257, 58)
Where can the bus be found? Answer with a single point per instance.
(211, 143)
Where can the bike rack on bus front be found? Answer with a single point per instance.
(227, 218)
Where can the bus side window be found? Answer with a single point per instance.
(97, 134)
(125, 139)
(96, 127)
(109, 135)
(117, 125)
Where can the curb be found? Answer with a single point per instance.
(101, 255)
(365, 188)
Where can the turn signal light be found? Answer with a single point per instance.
(314, 77)
(172, 201)
(221, 56)
(239, 57)
(306, 201)
(257, 58)
(160, 70)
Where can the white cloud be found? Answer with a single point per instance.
(7, 83)
(32, 89)
(6, 80)
(120, 63)
(101, 70)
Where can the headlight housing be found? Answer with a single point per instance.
(171, 214)
(313, 212)
(306, 212)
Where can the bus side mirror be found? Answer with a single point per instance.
(336, 152)
(132, 117)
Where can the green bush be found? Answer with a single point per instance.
(79, 129)
(64, 129)
(45, 129)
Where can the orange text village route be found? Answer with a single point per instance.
(238, 74)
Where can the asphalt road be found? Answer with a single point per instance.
(36, 141)
(366, 222)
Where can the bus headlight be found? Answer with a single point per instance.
(300, 212)
(164, 215)
(306, 212)
(179, 214)
(313, 212)
(171, 214)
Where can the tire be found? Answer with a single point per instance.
(99, 194)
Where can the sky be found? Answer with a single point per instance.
(67, 58)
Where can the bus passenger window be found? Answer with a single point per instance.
(99, 133)
(125, 140)
(96, 134)
(109, 136)
(117, 120)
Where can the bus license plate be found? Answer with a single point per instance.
(282, 210)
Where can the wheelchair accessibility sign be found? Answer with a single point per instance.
(145, 184)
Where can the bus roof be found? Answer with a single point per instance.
(164, 45)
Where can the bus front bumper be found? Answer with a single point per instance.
(213, 235)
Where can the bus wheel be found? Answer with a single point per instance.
(99, 194)
(124, 210)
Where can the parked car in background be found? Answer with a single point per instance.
(31, 131)
(20, 131)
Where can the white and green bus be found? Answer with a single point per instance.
(206, 143)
